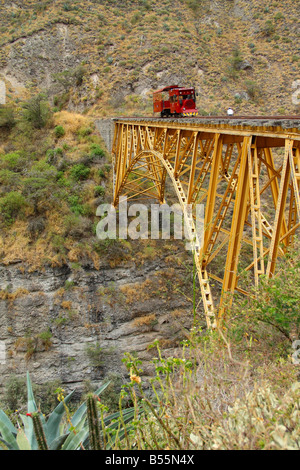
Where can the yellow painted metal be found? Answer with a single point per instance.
(237, 227)
(256, 217)
(250, 192)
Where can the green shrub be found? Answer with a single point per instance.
(14, 161)
(268, 28)
(75, 205)
(7, 117)
(57, 244)
(235, 62)
(194, 5)
(95, 354)
(67, 6)
(97, 151)
(60, 101)
(59, 131)
(273, 312)
(80, 172)
(53, 154)
(136, 18)
(8, 178)
(252, 89)
(104, 171)
(40, 185)
(278, 16)
(99, 191)
(15, 392)
(84, 132)
(70, 78)
(37, 111)
(11, 205)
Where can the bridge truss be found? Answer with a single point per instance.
(245, 172)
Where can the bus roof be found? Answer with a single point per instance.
(168, 88)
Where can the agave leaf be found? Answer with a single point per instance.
(53, 422)
(28, 428)
(128, 415)
(81, 423)
(31, 405)
(82, 409)
(22, 440)
(111, 440)
(117, 424)
(57, 443)
(73, 440)
(129, 412)
(31, 408)
(6, 432)
(79, 427)
(5, 419)
(6, 445)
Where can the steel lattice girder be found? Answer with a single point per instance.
(229, 168)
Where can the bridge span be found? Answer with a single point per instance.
(246, 172)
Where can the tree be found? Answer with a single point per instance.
(71, 78)
(7, 117)
(11, 205)
(37, 111)
(273, 310)
(39, 187)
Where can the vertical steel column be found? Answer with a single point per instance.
(236, 232)
(281, 202)
(212, 191)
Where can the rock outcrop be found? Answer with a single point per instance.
(74, 325)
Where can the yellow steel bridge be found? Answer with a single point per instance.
(246, 172)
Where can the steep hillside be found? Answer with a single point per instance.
(71, 305)
(105, 57)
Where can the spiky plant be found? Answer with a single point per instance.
(39, 433)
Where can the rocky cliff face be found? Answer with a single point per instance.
(75, 325)
(236, 53)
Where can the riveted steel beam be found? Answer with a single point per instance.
(246, 173)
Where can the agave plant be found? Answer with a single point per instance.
(39, 433)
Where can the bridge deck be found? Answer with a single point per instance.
(279, 126)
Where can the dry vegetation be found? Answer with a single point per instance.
(207, 400)
(50, 187)
(242, 54)
(236, 388)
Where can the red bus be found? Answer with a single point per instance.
(175, 101)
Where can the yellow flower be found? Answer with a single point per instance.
(135, 378)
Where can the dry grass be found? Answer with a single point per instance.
(11, 296)
(71, 122)
(131, 49)
(207, 399)
(138, 292)
(145, 321)
(66, 304)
